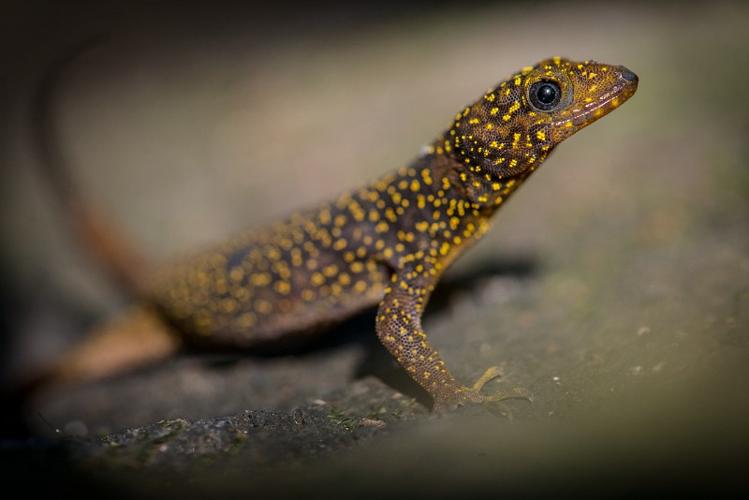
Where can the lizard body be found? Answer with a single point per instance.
(389, 242)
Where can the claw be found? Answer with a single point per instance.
(490, 374)
(515, 393)
(472, 395)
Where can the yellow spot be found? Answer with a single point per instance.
(260, 279)
(273, 253)
(330, 270)
(296, 257)
(283, 287)
(229, 305)
(236, 274)
(263, 306)
(246, 320)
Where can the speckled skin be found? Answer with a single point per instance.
(389, 242)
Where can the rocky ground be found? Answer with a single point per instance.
(614, 287)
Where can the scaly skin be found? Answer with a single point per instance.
(389, 242)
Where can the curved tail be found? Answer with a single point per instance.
(138, 336)
(100, 237)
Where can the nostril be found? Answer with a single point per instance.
(628, 75)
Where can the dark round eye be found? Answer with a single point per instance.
(545, 95)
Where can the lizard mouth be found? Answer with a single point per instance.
(582, 116)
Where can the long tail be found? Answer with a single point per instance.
(124, 265)
(138, 336)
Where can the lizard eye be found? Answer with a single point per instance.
(544, 95)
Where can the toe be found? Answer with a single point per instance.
(490, 374)
(514, 393)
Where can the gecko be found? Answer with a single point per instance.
(385, 244)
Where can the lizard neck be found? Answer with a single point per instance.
(485, 192)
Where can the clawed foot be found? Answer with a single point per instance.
(490, 374)
(473, 394)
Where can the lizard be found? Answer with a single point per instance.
(385, 244)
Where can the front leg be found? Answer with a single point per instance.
(399, 329)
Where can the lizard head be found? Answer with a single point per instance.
(514, 126)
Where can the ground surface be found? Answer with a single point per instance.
(614, 287)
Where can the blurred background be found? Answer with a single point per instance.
(615, 285)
